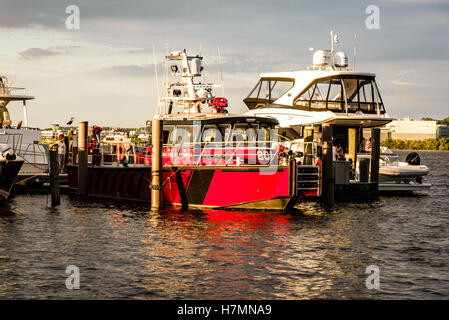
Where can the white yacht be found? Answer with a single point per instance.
(328, 92)
(22, 138)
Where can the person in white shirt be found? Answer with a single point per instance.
(127, 143)
(61, 153)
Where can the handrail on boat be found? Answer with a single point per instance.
(231, 153)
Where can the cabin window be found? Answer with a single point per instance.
(166, 133)
(214, 133)
(255, 92)
(267, 91)
(211, 134)
(334, 101)
(279, 88)
(181, 135)
(245, 133)
(334, 93)
(239, 133)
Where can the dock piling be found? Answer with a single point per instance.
(54, 176)
(375, 156)
(82, 159)
(156, 165)
(327, 172)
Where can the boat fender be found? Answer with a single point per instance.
(413, 159)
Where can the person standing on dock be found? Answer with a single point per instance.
(61, 152)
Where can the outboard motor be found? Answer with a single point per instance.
(413, 159)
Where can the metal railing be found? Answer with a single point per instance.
(6, 90)
(14, 140)
(193, 154)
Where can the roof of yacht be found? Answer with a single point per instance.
(314, 74)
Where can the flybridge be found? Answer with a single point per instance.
(186, 93)
(6, 96)
(324, 87)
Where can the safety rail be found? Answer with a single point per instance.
(196, 154)
(6, 90)
(12, 139)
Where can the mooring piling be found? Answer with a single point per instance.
(375, 157)
(328, 171)
(156, 165)
(82, 158)
(54, 175)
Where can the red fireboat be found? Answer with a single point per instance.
(211, 159)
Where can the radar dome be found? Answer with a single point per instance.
(320, 58)
(341, 60)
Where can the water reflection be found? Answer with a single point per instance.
(250, 254)
(125, 251)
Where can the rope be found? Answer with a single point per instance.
(30, 163)
(22, 182)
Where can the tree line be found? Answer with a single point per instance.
(445, 121)
(441, 144)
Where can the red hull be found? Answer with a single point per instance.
(239, 187)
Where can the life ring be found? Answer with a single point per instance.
(121, 151)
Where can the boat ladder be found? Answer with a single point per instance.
(308, 178)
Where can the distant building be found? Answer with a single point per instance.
(51, 134)
(409, 129)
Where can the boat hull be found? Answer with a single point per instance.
(401, 173)
(8, 174)
(204, 187)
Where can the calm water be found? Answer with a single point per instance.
(124, 251)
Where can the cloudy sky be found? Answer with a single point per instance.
(104, 71)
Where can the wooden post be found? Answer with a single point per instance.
(328, 171)
(54, 176)
(156, 165)
(82, 159)
(375, 156)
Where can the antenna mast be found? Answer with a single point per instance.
(221, 71)
(157, 82)
(355, 47)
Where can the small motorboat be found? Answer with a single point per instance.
(396, 175)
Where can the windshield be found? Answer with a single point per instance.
(357, 93)
(267, 91)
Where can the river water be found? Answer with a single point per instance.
(125, 252)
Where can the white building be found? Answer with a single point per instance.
(409, 129)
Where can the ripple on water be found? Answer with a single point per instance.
(125, 251)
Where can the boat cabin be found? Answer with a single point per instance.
(219, 140)
(340, 92)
